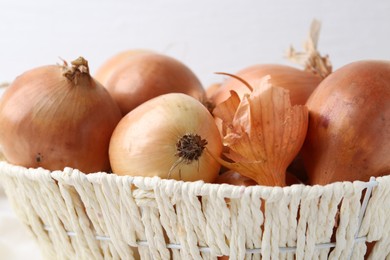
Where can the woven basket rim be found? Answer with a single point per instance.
(97, 178)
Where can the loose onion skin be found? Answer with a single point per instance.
(105, 71)
(147, 75)
(55, 117)
(154, 138)
(300, 83)
(348, 136)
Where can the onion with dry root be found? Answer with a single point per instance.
(263, 132)
(58, 116)
(170, 136)
(146, 75)
(348, 136)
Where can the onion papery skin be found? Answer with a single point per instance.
(145, 140)
(300, 83)
(105, 71)
(348, 136)
(148, 75)
(52, 122)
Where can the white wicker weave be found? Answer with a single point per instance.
(104, 216)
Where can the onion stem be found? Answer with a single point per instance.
(4, 85)
(238, 78)
(79, 67)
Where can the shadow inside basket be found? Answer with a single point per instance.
(102, 215)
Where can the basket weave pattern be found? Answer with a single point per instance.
(104, 216)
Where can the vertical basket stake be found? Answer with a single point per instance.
(370, 185)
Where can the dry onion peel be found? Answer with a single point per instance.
(4, 85)
(264, 132)
(310, 58)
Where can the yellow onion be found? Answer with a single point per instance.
(57, 116)
(170, 136)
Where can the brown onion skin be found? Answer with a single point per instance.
(234, 178)
(148, 75)
(348, 136)
(300, 83)
(104, 72)
(210, 90)
(49, 122)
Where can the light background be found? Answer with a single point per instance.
(208, 36)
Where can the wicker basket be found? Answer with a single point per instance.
(104, 216)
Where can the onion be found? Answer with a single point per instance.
(57, 116)
(234, 178)
(348, 136)
(291, 179)
(210, 90)
(147, 75)
(105, 71)
(300, 83)
(170, 136)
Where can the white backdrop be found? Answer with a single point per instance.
(209, 36)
